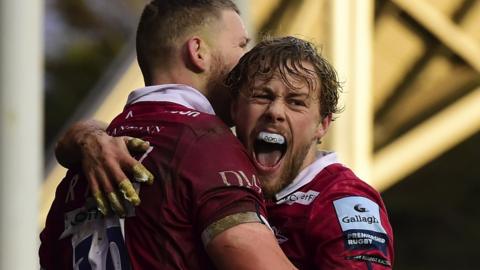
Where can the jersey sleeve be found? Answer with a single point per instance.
(349, 228)
(224, 188)
(51, 246)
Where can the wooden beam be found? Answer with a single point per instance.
(351, 53)
(426, 142)
(444, 29)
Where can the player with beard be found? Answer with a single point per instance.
(198, 214)
(324, 216)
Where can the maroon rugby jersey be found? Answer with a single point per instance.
(329, 219)
(76, 235)
(202, 174)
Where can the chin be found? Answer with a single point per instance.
(271, 185)
(269, 191)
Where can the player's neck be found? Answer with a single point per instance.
(180, 76)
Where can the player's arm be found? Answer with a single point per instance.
(247, 246)
(227, 204)
(105, 161)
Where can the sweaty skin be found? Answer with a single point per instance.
(288, 116)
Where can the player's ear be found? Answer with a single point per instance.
(197, 54)
(322, 127)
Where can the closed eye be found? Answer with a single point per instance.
(262, 96)
(297, 102)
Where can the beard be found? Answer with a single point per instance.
(218, 93)
(291, 168)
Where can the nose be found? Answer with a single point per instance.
(275, 111)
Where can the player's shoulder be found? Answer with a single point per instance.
(208, 124)
(152, 119)
(197, 122)
(338, 181)
(209, 129)
(337, 171)
(338, 176)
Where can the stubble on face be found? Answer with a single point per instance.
(219, 95)
(301, 143)
(227, 36)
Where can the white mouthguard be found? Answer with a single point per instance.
(271, 137)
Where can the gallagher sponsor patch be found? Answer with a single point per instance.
(359, 219)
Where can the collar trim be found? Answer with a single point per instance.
(176, 93)
(323, 160)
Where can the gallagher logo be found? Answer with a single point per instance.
(359, 218)
(359, 208)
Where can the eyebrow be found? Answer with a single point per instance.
(295, 94)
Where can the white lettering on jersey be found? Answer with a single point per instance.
(75, 218)
(129, 114)
(358, 213)
(71, 189)
(119, 131)
(187, 113)
(300, 197)
(230, 176)
(99, 245)
(97, 241)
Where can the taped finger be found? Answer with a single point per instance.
(116, 204)
(129, 192)
(141, 174)
(102, 204)
(113, 198)
(136, 144)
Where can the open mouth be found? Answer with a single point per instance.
(269, 148)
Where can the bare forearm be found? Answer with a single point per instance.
(68, 149)
(248, 246)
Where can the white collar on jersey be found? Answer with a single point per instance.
(176, 93)
(323, 159)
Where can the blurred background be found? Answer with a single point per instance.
(410, 127)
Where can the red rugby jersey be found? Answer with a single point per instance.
(330, 219)
(202, 174)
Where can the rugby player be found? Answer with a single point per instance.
(323, 215)
(206, 209)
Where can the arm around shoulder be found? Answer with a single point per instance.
(68, 149)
